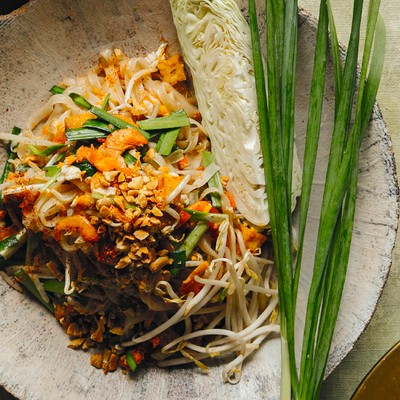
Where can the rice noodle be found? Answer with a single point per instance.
(114, 236)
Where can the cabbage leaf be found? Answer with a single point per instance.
(216, 46)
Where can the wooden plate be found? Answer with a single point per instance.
(58, 38)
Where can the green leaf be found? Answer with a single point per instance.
(175, 120)
(214, 181)
(86, 166)
(131, 362)
(24, 279)
(80, 101)
(97, 124)
(193, 238)
(129, 158)
(57, 89)
(85, 134)
(167, 141)
(45, 152)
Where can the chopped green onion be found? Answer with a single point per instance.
(175, 120)
(276, 111)
(167, 141)
(24, 279)
(214, 181)
(223, 294)
(57, 89)
(159, 142)
(53, 179)
(193, 238)
(45, 152)
(33, 241)
(98, 124)
(104, 115)
(204, 216)
(179, 257)
(130, 205)
(54, 286)
(130, 361)
(11, 155)
(97, 196)
(86, 166)
(10, 245)
(129, 158)
(106, 100)
(51, 170)
(22, 168)
(85, 134)
(80, 101)
(118, 122)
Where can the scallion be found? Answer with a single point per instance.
(106, 116)
(179, 257)
(177, 119)
(106, 100)
(57, 89)
(51, 170)
(193, 238)
(167, 141)
(86, 166)
(85, 134)
(11, 155)
(25, 280)
(276, 115)
(97, 124)
(129, 158)
(131, 362)
(10, 245)
(214, 181)
(205, 216)
(54, 286)
(45, 152)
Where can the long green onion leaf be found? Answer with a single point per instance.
(131, 362)
(24, 279)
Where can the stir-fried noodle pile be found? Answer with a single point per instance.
(130, 236)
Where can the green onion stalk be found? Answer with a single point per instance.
(302, 379)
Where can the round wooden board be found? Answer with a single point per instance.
(57, 38)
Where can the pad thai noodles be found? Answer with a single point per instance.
(116, 218)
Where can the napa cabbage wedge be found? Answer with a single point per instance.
(216, 45)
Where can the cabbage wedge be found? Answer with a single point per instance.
(216, 46)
